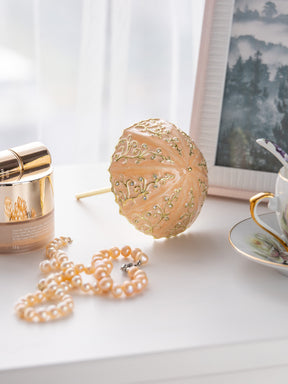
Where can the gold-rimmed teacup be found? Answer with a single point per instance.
(278, 202)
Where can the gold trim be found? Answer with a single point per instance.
(253, 203)
(272, 263)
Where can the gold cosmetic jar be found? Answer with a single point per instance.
(26, 198)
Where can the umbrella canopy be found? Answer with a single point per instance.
(158, 177)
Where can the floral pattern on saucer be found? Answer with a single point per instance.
(269, 248)
(257, 245)
(284, 221)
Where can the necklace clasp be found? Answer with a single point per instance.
(125, 267)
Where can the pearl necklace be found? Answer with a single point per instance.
(65, 276)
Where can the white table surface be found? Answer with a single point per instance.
(208, 315)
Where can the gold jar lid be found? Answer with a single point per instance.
(24, 160)
(26, 183)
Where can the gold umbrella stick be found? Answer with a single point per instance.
(92, 193)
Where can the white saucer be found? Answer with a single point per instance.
(257, 245)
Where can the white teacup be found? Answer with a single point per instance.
(279, 203)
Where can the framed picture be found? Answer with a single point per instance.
(241, 93)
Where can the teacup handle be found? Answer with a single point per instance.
(254, 201)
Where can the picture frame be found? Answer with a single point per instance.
(208, 103)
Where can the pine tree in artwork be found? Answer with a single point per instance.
(280, 131)
(269, 9)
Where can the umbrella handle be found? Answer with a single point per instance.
(92, 193)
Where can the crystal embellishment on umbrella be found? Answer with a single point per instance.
(159, 178)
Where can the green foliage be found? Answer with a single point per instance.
(253, 106)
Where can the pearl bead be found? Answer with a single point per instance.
(58, 243)
(65, 265)
(29, 313)
(45, 266)
(39, 296)
(63, 307)
(106, 253)
(138, 286)
(20, 309)
(59, 293)
(86, 287)
(76, 281)
(67, 239)
(109, 266)
(62, 258)
(52, 288)
(79, 268)
(102, 264)
(43, 314)
(117, 290)
(58, 277)
(50, 252)
(126, 251)
(132, 271)
(69, 285)
(144, 281)
(63, 240)
(30, 298)
(100, 273)
(69, 273)
(54, 264)
(95, 288)
(64, 286)
(59, 253)
(106, 284)
(115, 252)
(42, 284)
(135, 252)
(139, 274)
(70, 306)
(90, 269)
(98, 256)
(128, 288)
(46, 293)
(50, 279)
(53, 311)
(67, 299)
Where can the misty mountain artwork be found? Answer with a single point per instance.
(255, 100)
